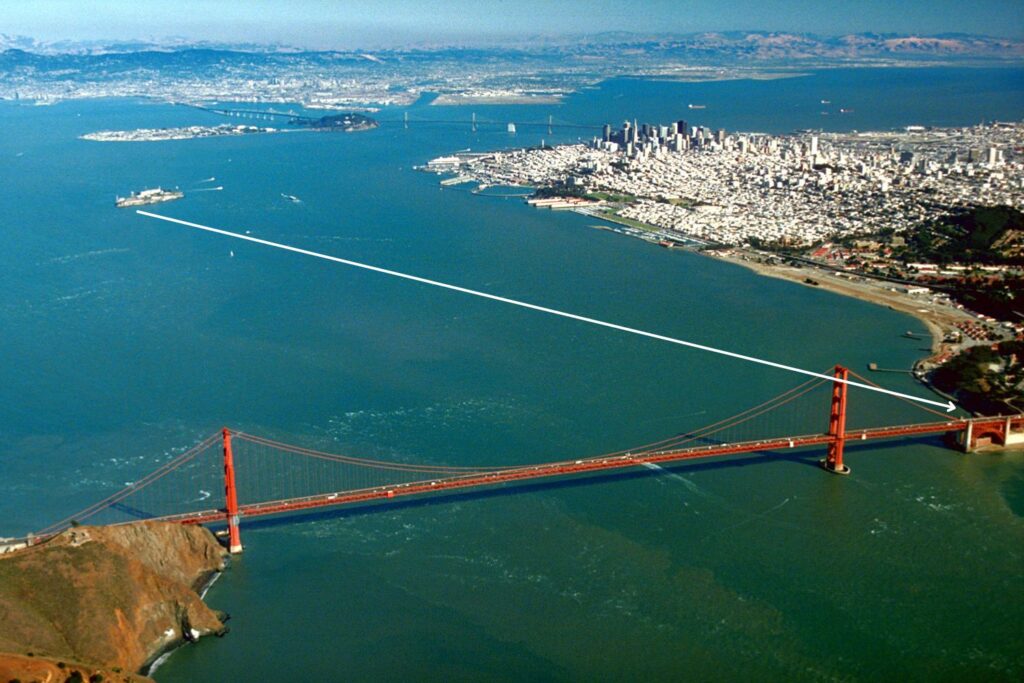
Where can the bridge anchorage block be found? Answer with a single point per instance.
(831, 467)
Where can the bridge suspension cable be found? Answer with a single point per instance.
(135, 486)
(916, 404)
(731, 421)
(361, 462)
(661, 446)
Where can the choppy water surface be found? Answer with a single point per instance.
(124, 340)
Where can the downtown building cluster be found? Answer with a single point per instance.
(793, 189)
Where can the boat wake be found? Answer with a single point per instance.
(690, 486)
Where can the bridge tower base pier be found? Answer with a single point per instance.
(837, 425)
(231, 496)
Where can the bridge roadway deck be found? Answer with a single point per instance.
(566, 468)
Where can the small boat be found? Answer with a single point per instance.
(696, 106)
(291, 198)
(826, 101)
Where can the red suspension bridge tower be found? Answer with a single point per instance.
(837, 424)
(231, 495)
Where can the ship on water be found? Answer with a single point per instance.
(153, 196)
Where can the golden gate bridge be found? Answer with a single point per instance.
(261, 476)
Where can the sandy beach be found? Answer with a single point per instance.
(938, 319)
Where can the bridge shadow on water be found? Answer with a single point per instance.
(137, 513)
(808, 458)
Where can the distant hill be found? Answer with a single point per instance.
(742, 46)
(773, 46)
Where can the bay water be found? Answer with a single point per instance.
(126, 340)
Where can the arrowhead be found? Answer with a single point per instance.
(950, 406)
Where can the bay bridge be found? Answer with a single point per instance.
(257, 476)
(550, 123)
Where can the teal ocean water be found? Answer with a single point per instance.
(125, 340)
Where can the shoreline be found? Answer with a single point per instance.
(204, 586)
(461, 100)
(714, 76)
(938, 320)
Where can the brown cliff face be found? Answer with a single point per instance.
(109, 596)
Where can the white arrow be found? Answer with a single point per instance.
(948, 406)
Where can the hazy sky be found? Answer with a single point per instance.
(366, 23)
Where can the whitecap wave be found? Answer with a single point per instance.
(88, 254)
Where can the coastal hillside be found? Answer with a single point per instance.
(981, 234)
(32, 669)
(110, 598)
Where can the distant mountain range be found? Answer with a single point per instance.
(733, 46)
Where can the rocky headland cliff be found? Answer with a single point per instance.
(103, 603)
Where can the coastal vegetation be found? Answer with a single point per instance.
(999, 297)
(986, 379)
(977, 235)
(974, 253)
(349, 122)
(568, 190)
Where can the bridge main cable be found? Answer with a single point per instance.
(948, 406)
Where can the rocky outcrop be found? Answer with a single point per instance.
(109, 597)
